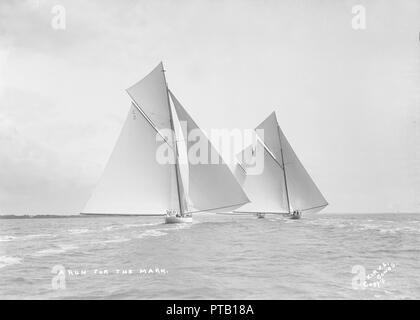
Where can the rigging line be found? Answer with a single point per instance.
(266, 149)
(237, 162)
(272, 155)
(146, 117)
(240, 166)
(270, 152)
(314, 207)
(235, 213)
(231, 205)
(254, 212)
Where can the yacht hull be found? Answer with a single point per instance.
(173, 219)
(295, 217)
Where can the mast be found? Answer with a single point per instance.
(181, 209)
(284, 169)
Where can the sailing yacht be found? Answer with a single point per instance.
(284, 186)
(136, 182)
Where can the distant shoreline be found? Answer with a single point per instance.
(39, 216)
(58, 216)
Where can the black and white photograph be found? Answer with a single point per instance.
(227, 150)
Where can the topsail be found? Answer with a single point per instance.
(150, 94)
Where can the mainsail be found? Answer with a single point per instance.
(284, 180)
(133, 182)
(265, 189)
(212, 185)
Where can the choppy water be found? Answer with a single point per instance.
(216, 257)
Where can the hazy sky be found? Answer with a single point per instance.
(348, 100)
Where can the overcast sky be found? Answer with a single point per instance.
(348, 100)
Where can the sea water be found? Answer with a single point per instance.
(321, 256)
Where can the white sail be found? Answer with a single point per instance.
(304, 195)
(271, 136)
(133, 181)
(266, 190)
(212, 186)
(150, 95)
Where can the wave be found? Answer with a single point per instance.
(326, 222)
(27, 237)
(288, 221)
(410, 229)
(380, 226)
(148, 233)
(176, 227)
(116, 240)
(41, 235)
(139, 225)
(151, 233)
(110, 228)
(52, 251)
(8, 261)
(386, 229)
(7, 238)
(78, 231)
